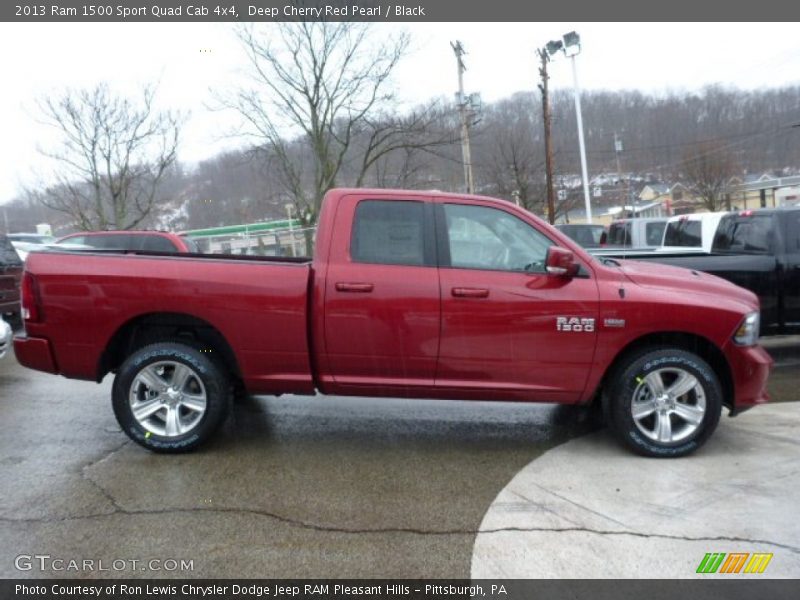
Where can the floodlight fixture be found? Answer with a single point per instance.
(572, 39)
(554, 46)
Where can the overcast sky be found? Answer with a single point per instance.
(39, 58)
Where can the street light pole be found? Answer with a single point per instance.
(584, 169)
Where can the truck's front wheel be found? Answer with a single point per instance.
(663, 402)
(170, 397)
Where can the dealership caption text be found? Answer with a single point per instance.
(288, 11)
(251, 590)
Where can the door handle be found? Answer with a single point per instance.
(460, 292)
(358, 288)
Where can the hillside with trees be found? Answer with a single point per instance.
(330, 119)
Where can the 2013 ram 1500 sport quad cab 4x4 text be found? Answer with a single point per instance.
(409, 294)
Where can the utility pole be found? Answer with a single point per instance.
(617, 152)
(459, 51)
(548, 143)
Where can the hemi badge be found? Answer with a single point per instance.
(614, 322)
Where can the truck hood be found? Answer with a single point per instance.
(668, 278)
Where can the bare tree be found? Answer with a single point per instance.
(318, 88)
(511, 146)
(113, 155)
(707, 168)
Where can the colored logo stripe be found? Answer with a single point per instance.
(758, 563)
(713, 562)
(734, 562)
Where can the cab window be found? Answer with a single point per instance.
(390, 232)
(481, 237)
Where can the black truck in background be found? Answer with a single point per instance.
(10, 277)
(758, 250)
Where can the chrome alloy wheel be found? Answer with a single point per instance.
(668, 405)
(167, 398)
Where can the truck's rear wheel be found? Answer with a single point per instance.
(664, 402)
(170, 397)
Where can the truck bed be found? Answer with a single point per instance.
(91, 297)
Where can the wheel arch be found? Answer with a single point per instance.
(165, 326)
(703, 347)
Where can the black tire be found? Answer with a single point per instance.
(207, 379)
(631, 386)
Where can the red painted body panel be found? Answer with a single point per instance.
(395, 330)
(35, 353)
(388, 335)
(260, 309)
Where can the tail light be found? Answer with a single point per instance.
(31, 309)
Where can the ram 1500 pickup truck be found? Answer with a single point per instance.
(409, 294)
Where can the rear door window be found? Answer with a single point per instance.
(390, 232)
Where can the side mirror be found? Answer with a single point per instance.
(561, 262)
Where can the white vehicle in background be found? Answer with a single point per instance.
(693, 232)
(5, 337)
(637, 233)
(26, 242)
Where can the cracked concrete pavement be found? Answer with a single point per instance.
(292, 487)
(590, 509)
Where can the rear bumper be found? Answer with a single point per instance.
(35, 353)
(750, 368)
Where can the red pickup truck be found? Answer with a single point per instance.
(411, 294)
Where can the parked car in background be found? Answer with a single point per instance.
(10, 277)
(31, 238)
(587, 235)
(637, 233)
(691, 232)
(5, 337)
(147, 241)
(683, 235)
(27, 242)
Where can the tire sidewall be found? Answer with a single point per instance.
(211, 376)
(625, 383)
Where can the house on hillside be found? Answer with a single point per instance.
(761, 190)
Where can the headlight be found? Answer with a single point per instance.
(747, 334)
